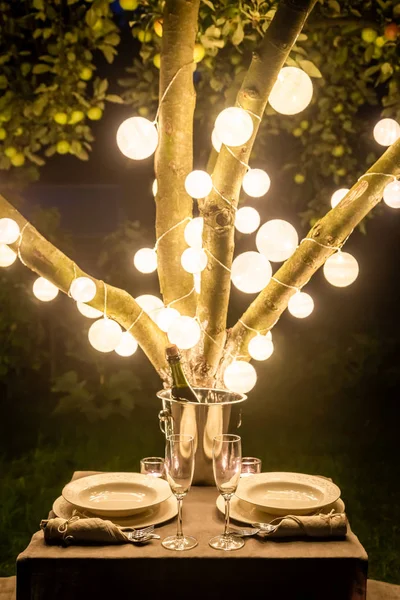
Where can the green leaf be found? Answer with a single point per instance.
(238, 36)
(113, 39)
(91, 17)
(38, 4)
(334, 5)
(310, 68)
(114, 98)
(209, 4)
(41, 68)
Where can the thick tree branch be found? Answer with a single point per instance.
(219, 218)
(174, 157)
(45, 259)
(332, 230)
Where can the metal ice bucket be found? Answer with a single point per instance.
(218, 411)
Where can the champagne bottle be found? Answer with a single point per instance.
(181, 388)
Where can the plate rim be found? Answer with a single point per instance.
(156, 481)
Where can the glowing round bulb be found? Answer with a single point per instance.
(127, 346)
(197, 282)
(256, 183)
(165, 318)
(154, 188)
(391, 194)
(386, 132)
(83, 289)
(9, 231)
(338, 196)
(277, 240)
(150, 304)
(268, 335)
(198, 184)
(251, 272)
(137, 138)
(234, 126)
(145, 260)
(260, 347)
(301, 305)
(247, 219)
(105, 335)
(194, 260)
(7, 256)
(292, 91)
(194, 232)
(44, 290)
(216, 142)
(184, 332)
(341, 269)
(240, 377)
(88, 311)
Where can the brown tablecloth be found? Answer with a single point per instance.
(299, 570)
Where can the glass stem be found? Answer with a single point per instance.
(227, 511)
(179, 532)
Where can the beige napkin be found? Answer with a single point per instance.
(316, 526)
(82, 531)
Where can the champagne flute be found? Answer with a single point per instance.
(227, 464)
(179, 467)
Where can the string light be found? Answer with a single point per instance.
(341, 269)
(105, 335)
(234, 126)
(145, 260)
(338, 196)
(137, 138)
(185, 332)
(198, 184)
(247, 219)
(251, 272)
(240, 377)
(216, 142)
(9, 231)
(391, 194)
(260, 347)
(88, 311)
(301, 305)
(277, 240)
(256, 183)
(150, 304)
(194, 260)
(7, 256)
(194, 232)
(83, 289)
(292, 91)
(197, 282)
(165, 318)
(44, 290)
(127, 346)
(386, 132)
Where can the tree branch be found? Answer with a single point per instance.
(218, 235)
(331, 230)
(41, 256)
(174, 157)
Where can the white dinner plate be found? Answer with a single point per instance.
(248, 513)
(116, 494)
(287, 493)
(150, 516)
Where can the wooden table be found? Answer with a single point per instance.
(280, 569)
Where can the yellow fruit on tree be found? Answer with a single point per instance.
(3, 133)
(61, 118)
(380, 41)
(198, 53)
(86, 74)
(76, 116)
(143, 111)
(299, 178)
(10, 151)
(157, 60)
(297, 132)
(144, 36)
(158, 28)
(368, 35)
(128, 4)
(95, 113)
(63, 147)
(18, 160)
(19, 131)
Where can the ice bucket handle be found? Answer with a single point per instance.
(164, 419)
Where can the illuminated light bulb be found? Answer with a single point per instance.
(194, 232)
(240, 377)
(292, 91)
(44, 290)
(150, 304)
(301, 305)
(341, 269)
(338, 196)
(260, 347)
(83, 289)
(165, 318)
(386, 132)
(256, 183)
(127, 346)
(216, 142)
(268, 335)
(88, 311)
(277, 240)
(154, 187)
(247, 219)
(251, 272)
(7, 256)
(234, 126)
(184, 332)
(198, 184)
(9, 231)
(137, 138)
(194, 260)
(391, 194)
(145, 260)
(105, 335)
(197, 282)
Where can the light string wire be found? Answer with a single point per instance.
(135, 321)
(19, 244)
(181, 298)
(224, 350)
(224, 198)
(247, 167)
(105, 299)
(394, 177)
(73, 279)
(253, 114)
(216, 260)
(169, 230)
(168, 88)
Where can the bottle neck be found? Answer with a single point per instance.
(178, 376)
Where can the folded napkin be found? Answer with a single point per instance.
(83, 531)
(316, 526)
